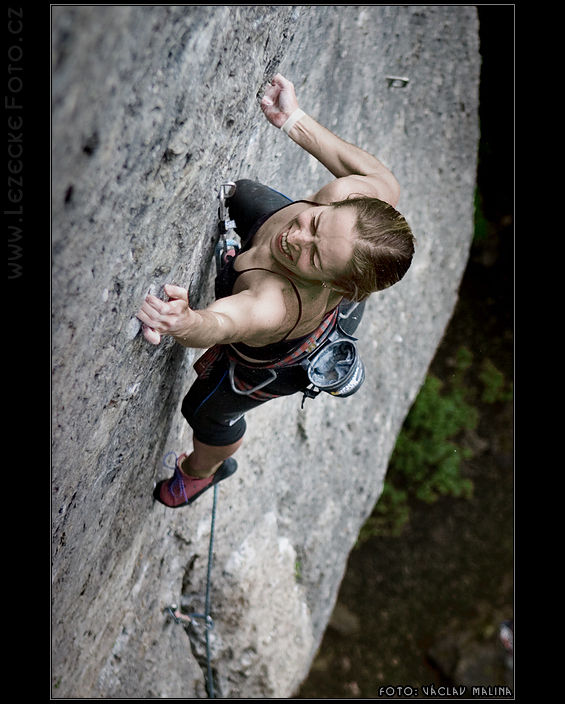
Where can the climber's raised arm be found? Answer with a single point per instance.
(356, 170)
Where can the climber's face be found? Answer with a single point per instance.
(317, 244)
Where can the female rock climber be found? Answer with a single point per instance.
(299, 264)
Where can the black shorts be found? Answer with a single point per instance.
(214, 411)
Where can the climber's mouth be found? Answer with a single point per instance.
(282, 242)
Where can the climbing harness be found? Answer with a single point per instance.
(334, 366)
(329, 356)
(174, 612)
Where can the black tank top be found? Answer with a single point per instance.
(225, 281)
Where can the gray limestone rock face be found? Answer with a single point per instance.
(152, 108)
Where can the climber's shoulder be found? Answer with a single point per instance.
(382, 185)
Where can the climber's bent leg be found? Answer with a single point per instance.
(215, 414)
(204, 459)
(182, 489)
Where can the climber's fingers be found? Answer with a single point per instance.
(279, 100)
(176, 292)
(164, 317)
(151, 335)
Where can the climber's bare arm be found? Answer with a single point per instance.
(255, 316)
(356, 171)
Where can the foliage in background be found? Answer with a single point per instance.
(426, 461)
(481, 223)
(495, 386)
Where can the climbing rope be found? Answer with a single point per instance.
(208, 622)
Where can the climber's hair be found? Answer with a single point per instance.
(383, 249)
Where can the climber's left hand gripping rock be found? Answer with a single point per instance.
(172, 317)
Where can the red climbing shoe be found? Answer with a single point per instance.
(182, 489)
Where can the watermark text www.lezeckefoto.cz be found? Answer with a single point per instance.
(14, 122)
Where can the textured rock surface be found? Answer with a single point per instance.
(154, 106)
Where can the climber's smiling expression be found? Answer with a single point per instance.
(317, 244)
